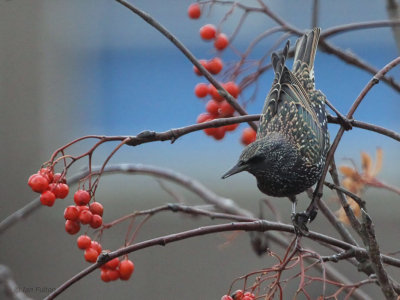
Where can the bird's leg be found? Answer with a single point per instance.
(345, 122)
(299, 220)
(294, 207)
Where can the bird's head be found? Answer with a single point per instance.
(254, 159)
(266, 156)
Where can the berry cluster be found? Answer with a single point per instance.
(239, 295)
(217, 106)
(83, 213)
(110, 271)
(116, 269)
(51, 186)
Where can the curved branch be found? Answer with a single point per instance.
(260, 225)
(356, 61)
(357, 26)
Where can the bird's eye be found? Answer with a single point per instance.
(256, 159)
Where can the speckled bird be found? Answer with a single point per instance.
(292, 141)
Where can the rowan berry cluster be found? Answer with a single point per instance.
(113, 269)
(83, 213)
(217, 106)
(239, 295)
(53, 186)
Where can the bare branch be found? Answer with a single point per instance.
(315, 13)
(260, 225)
(357, 26)
(375, 256)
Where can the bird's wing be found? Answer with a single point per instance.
(288, 110)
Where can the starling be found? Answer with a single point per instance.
(292, 140)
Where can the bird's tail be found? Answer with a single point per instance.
(306, 47)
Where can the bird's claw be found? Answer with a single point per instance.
(300, 221)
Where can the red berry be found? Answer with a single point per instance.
(47, 198)
(126, 268)
(212, 107)
(207, 32)
(226, 110)
(203, 62)
(96, 208)
(231, 127)
(59, 178)
(204, 118)
(214, 93)
(201, 90)
(84, 242)
(249, 296)
(232, 88)
(82, 208)
(248, 136)
(81, 197)
(96, 221)
(85, 216)
(113, 274)
(194, 11)
(221, 41)
(95, 245)
(210, 131)
(226, 297)
(215, 65)
(91, 255)
(61, 190)
(219, 133)
(104, 276)
(71, 213)
(112, 264)
(38, 183)
(46, 173)
(72, 227)
(238, 295)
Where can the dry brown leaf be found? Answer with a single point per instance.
(341, 214)
(342, 217)
(366, 163)
(354, 186)
(379, 159)
(348, 171)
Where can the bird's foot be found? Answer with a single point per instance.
(300, 221)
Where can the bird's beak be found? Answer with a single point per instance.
(236, 169)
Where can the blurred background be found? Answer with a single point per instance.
(73, 68)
